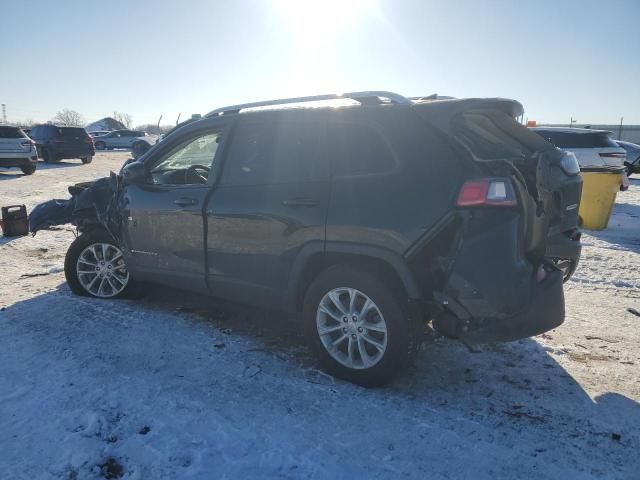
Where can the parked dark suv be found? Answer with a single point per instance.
(55, 143)
(369, 220)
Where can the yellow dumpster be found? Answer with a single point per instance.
(600, 185)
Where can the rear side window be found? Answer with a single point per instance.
(11, 132)
(71, 132)
(578, 140)
(357, 149)
(275, 152)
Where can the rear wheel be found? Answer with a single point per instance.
(94, 266)
(28, 169)
(49, 157)
(87, 160)
(357, 326)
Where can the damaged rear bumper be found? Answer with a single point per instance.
(544, 312)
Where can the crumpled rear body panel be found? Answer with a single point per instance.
(489, 276)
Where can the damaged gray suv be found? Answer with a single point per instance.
(368, 215)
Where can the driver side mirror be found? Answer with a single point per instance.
(135, 173)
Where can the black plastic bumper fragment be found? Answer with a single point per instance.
(544, 312)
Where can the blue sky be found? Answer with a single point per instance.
(147, 58)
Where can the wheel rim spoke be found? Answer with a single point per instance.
(339, 340)
(326, 311)
(373, 341)
(351, 351)
(325, 330)
(364, 356)
(337, 303)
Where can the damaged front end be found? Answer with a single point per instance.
(92, 205)
(486, 267)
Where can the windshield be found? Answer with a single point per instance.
(11, 132)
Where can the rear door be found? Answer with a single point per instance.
(270, 205)
(164, 228)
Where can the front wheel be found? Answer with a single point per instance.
(100, 145)
(86, 160)
(94, 266)
(357, 326)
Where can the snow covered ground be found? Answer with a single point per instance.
(177, 386)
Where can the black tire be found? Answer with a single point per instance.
(29, 169)
(100, 145)
(87, 160)
(71, 261)
(49, 157)
(400, 342)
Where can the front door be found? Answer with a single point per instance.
(163, 219)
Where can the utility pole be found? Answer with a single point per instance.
(620, 131)
(159, 120)
(178, 119)
(571, 122)
(4, 113)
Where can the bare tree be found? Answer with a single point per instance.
(69, 118)
(153, 128)
(123, 118)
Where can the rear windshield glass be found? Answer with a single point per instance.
(11, 132)
(578, 140)
(72, 132)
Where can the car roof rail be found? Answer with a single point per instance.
(373, 97)
(433, 96)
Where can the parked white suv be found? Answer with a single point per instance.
(592, 148)
(17, 150)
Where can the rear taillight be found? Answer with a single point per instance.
(612, 155)
(88, 140)
(28, 143)
(496, 192)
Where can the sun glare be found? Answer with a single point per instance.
(321, 20)
(316, 30)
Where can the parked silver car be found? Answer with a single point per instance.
(121, 139)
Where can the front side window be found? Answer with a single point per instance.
(188, 163)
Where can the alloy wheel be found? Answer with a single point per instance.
(351, 328)
(101, 270)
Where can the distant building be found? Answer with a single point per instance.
(107, 123)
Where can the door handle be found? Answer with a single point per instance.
(300, 202)
(185, 202)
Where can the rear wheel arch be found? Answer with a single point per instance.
(378, 262)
